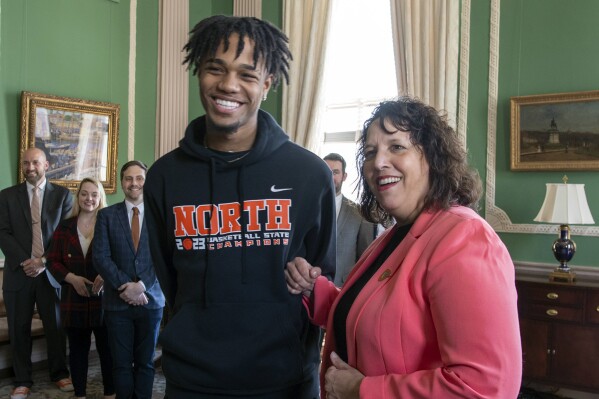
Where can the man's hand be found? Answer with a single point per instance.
(140, 301)
(33, 267)
(300, 276)
(133, 293)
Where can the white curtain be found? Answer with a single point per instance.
(306, 25)
(426, 44)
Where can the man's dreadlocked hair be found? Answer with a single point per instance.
(270, 43)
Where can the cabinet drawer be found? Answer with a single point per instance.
(548, 312)
(592, 308)
(550, 293)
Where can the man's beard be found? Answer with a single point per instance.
(222, 129)
(33, 179)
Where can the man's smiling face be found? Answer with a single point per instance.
(231, 89)
(132, 183)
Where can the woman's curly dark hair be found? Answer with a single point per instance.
(452, 181)
(270, 44)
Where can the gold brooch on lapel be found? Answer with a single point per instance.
(385, 274)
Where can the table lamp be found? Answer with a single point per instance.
(564, 204)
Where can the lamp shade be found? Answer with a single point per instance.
(565, 204)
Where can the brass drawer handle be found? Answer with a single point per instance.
(551, 312)
(552, 295)
(597, 309)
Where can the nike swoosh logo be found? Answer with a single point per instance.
(276, 190)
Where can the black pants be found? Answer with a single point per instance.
(79, 345)
(19, 310)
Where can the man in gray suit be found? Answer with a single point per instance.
(354, 234)
(132, 300)
(26, 283)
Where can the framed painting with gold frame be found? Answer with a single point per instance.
(555, 132)
(79, 137)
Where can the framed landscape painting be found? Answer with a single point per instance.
(555, 132)
(79, 137)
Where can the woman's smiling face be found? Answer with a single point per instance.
(396, 171)
(89, 197)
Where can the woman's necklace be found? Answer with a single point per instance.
(86, 227)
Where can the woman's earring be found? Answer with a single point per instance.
(264, 98)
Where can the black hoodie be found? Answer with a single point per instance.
(234, 328)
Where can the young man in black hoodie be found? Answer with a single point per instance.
(226, 211)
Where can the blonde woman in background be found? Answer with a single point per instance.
(70, 262)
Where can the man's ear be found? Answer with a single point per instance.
(266, 86)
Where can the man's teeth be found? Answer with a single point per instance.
(388, 180)
(227, 104)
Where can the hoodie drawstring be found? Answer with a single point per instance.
(242, 220)
(211, 180)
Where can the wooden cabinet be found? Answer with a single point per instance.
(559, 326)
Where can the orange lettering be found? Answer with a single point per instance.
(230, 218)
(253, 208)
(184, 221)
(278, 214)
(202, 212)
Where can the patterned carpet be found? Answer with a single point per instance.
(43, 388)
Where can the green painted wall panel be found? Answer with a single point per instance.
(272, 11)
(478, 79)
(79, 48)
(146, 73)
(70, 48)
(537, 55)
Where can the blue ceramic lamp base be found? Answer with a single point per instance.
(563, 250)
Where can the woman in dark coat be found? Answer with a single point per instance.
(70, 262)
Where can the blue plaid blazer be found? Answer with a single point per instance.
(118, 263)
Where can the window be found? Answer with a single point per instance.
(359, 73)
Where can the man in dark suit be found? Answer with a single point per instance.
(354, 234)
(26, 283)
(133, 300)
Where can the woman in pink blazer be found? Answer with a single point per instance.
(429, 310)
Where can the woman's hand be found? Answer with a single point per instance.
(79, 283)
(342, 381)
(300, 276)
(98, 285)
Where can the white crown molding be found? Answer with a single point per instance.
(497, 217)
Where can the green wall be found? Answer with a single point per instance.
(78, 49)
(546, 46)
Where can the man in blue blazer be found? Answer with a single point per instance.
(132, 300)
(354, 233)
(25, 283)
